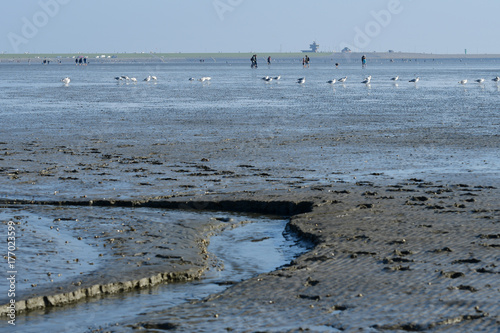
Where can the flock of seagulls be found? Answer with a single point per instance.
(201, 79)
(269, 78)
(480, 81)
(133, 79)
(366, 81)
(301, 80)
(67, 80)
(151, 78)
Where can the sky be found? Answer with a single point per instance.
(192, 26)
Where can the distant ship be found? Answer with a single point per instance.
(312, 48)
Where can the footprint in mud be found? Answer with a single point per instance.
(462, 287)
(366, 206)
(310, 282)
(452, 275)
(397, 268)
(396, 260)
(420, 198)
(443, 250)
(397, 242)
(490, 236)
(402, 253)
(486, 271)
(365, 253)
(466, 261)
(312, 298)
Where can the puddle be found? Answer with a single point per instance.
(243, 252)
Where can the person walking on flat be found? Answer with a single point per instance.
(254, 61)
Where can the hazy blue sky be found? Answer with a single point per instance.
(433, 26)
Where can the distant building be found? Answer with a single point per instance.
(312, 48)
(346, 50)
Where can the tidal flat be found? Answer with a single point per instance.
(396, 185)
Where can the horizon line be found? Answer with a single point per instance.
(94, 53)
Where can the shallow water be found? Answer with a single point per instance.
(241, 253)
(88, 131)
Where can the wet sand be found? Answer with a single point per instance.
(413, 256)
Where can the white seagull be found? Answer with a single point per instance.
(301, 80)
(133, 79)
(343, 79)
(415, 80)
(367, 80)
(331, 81)
(148, 78)
(479, 81)
(395, 78)
(154, 78)
(463, 81)
(66, 80)
(277, 77)
(205, 78)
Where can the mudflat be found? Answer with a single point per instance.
(397, 187)
(414, 255)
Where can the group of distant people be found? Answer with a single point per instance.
(81, 61)
(253, 59)
(305, 61)
(78, 61)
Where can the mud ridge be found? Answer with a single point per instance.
(281, 208)
(65, 298)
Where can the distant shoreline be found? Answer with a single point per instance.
(162, 57)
